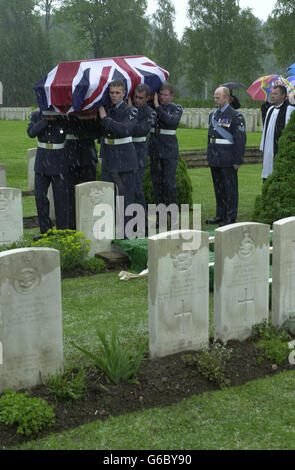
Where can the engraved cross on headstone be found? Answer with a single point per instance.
(185, 331)
(246, 301)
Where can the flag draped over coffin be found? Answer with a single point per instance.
(81, 85)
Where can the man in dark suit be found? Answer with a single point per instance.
(51, 166)
(119, 159)
(145, 120)
(225, 153)
(163, 146)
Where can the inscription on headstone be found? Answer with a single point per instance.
(95, 214)
(30, 316)
(11, 215)
(178, 293)
(241, 279)
(283, 270)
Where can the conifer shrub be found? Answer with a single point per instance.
(183, 183)
(277, 200)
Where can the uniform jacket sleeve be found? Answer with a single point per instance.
(144, 122)
(37, 124)
(122, 124)
(170, 115)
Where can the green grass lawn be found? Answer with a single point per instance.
(259, 415)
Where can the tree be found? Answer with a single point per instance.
(110, 27)
(165, 44)
(281, 25)
(277, 200)
(223, 43)
(24, 51)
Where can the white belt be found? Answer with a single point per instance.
(220, 141)
(49, 146)
(124, 140)
(163, 131)
(71, 137)
(139, 139)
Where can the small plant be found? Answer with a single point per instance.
(211, 363)
(119, 363)
(67, 387)
(31, 415)
(271, 342)
(93, 264)
(72, 245)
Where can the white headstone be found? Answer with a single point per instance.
(95, 214)
(1, 93)
(30, 316)
(283, 270)
(178, 292)
(241, 279)
(2, 175)
(11, 215)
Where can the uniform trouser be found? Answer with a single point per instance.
(125, 184)
(139, 194)
(163, 173)
(78, 175)
(60, 198)
(225, 182)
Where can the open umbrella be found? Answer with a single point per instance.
(261, 88)
(291, 80)
(291, 69)
(232, 85)
(81, 85)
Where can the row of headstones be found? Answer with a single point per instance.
(14, 114)
(199, 118)
(30, 295)
(88, 196)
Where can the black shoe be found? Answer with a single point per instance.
(37, 237)
(213, 221)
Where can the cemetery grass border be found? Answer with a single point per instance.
(161, 382)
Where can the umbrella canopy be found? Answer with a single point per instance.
(81, 85)
(291, 80)
(291, 69)
(261, 88)
(232, 85)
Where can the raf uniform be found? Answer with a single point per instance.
(144, 122)
(226, 147)
(119, 160)
(51, 166)
(82, 155)
(163, 151)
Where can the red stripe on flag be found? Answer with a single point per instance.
(103, 80)
(61, 87)
(134, 77)
(150, 64)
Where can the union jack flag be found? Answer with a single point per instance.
(81, 85)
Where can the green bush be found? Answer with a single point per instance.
(183, 183)
(271, 342)
(31, 415)
(72, 245)
(277, 200)
(211, 363)
(68, 386)
(119, 363)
